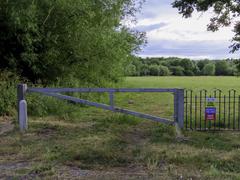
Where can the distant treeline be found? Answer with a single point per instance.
(182, 67)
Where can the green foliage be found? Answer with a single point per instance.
(225, 13)
(8, 97)
(177, 70)
(164, 71)
(182, 67)
(47, 40)
(222, 68)
(131, 70)
(209, 69)
(154, 70)
(144, 71)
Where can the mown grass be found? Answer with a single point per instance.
(195, 83)
(89, 142)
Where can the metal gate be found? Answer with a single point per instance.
(226, 103)
(57, 93)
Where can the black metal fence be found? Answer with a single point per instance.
(226, 103)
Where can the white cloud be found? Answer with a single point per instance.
(182, 33)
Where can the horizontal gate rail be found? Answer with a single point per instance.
(110, 108)
(100, 90)
(55, 92)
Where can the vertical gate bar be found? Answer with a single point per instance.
(224, 111)
(186, 111)
(205, 121)
(219, 109)
(209, 122)
(234, 106)
(175, 94)
(195, 112)
(180, 108)
(214, 123)
(238, 112)
(229, 109)
(21, 92)
(111, 99)
(191, 104)
(200, 110)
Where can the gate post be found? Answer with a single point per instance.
(22, 106)
(179, 108)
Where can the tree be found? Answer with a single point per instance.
(188, 67)
(145, 70)
(222, 68)
(138, 64)
(164, 71)
(154, 70)
(177, 70)
(226, 12)
(131, 70)
(201, 64)
(209, 69)
(49, 40)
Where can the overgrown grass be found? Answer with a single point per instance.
(72, 139)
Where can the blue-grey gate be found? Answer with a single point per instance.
(56, 92)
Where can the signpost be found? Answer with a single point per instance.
(210, 110)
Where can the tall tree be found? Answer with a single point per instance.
(226, 12)
(47, 40)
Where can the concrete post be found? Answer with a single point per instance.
(22, 106)
(23, 118)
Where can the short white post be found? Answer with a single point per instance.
(22, 106)
(23, 118)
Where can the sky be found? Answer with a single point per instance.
(169, 34)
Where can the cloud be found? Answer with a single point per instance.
(151, 27)
(169, 34)
(194, 50)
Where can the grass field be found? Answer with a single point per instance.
(88, 143)
(195, 83)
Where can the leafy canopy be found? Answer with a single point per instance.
(226, 12)
(50, 40)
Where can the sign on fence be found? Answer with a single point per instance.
(210, 110)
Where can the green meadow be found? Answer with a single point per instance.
(194, 83)
(90, 143)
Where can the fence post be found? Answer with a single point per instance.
(22, 106)
(179, 107)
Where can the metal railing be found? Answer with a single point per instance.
(227, 105)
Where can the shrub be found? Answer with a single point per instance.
(209, 69)
(8, 97)
(222, 68)
(164, 71)
(154, 70)
(177, 70)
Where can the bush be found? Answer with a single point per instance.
(222, 68)
(144, 70)
(38, 105)
(209, 69)
(177, 70)
(131, 70)
(8, 98)
(164, 71)
(154, 70)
